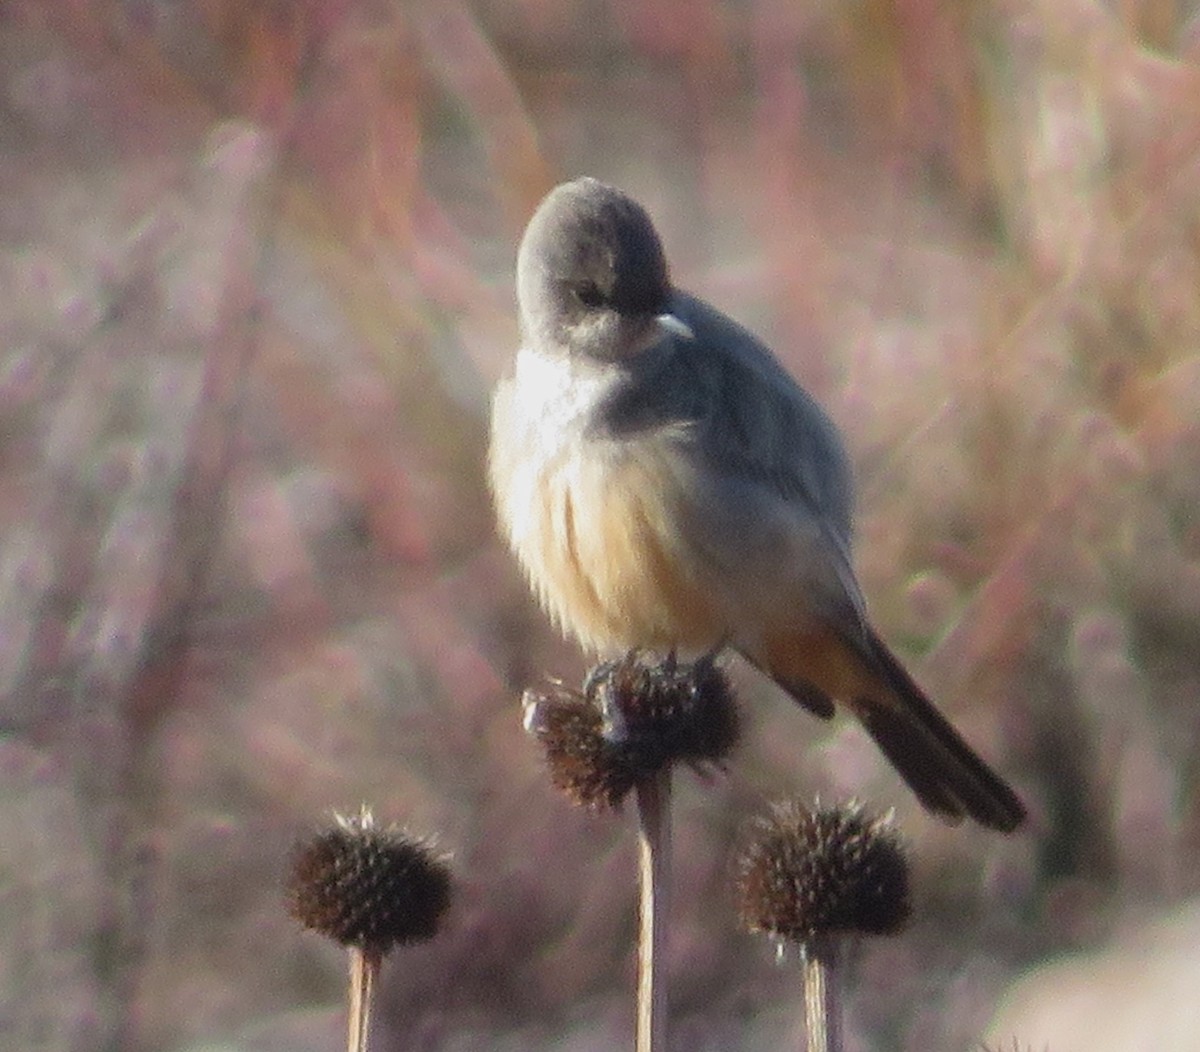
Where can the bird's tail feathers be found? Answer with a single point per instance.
(929, 754)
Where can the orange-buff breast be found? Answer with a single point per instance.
(605, 552)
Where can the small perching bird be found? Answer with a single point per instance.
(666, 484)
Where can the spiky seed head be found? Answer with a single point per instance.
(632, 719)
(368, 887)
(807, 873)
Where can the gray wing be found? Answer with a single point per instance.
(752, 419)
(761, 421)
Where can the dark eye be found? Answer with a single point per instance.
(588, 293)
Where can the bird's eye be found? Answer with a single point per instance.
(588, 293)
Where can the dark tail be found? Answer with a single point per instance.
(946, 775)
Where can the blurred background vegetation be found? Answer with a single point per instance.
(255, 284)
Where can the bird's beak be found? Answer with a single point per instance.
(675, 326)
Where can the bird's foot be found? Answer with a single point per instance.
(597, 674)
(604, 671)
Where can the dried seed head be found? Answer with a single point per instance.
(582, 764)
(805, 874)
(633, 720)
(367, 887)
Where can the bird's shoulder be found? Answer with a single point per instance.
(725, 391)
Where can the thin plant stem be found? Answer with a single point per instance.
(654, 866)
(822, 1008)
(364, 967)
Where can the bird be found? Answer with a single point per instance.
(665, 484)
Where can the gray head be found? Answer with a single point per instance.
(591, 275)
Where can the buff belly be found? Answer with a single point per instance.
(603, 545)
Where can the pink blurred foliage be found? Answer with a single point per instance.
(255, 274)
